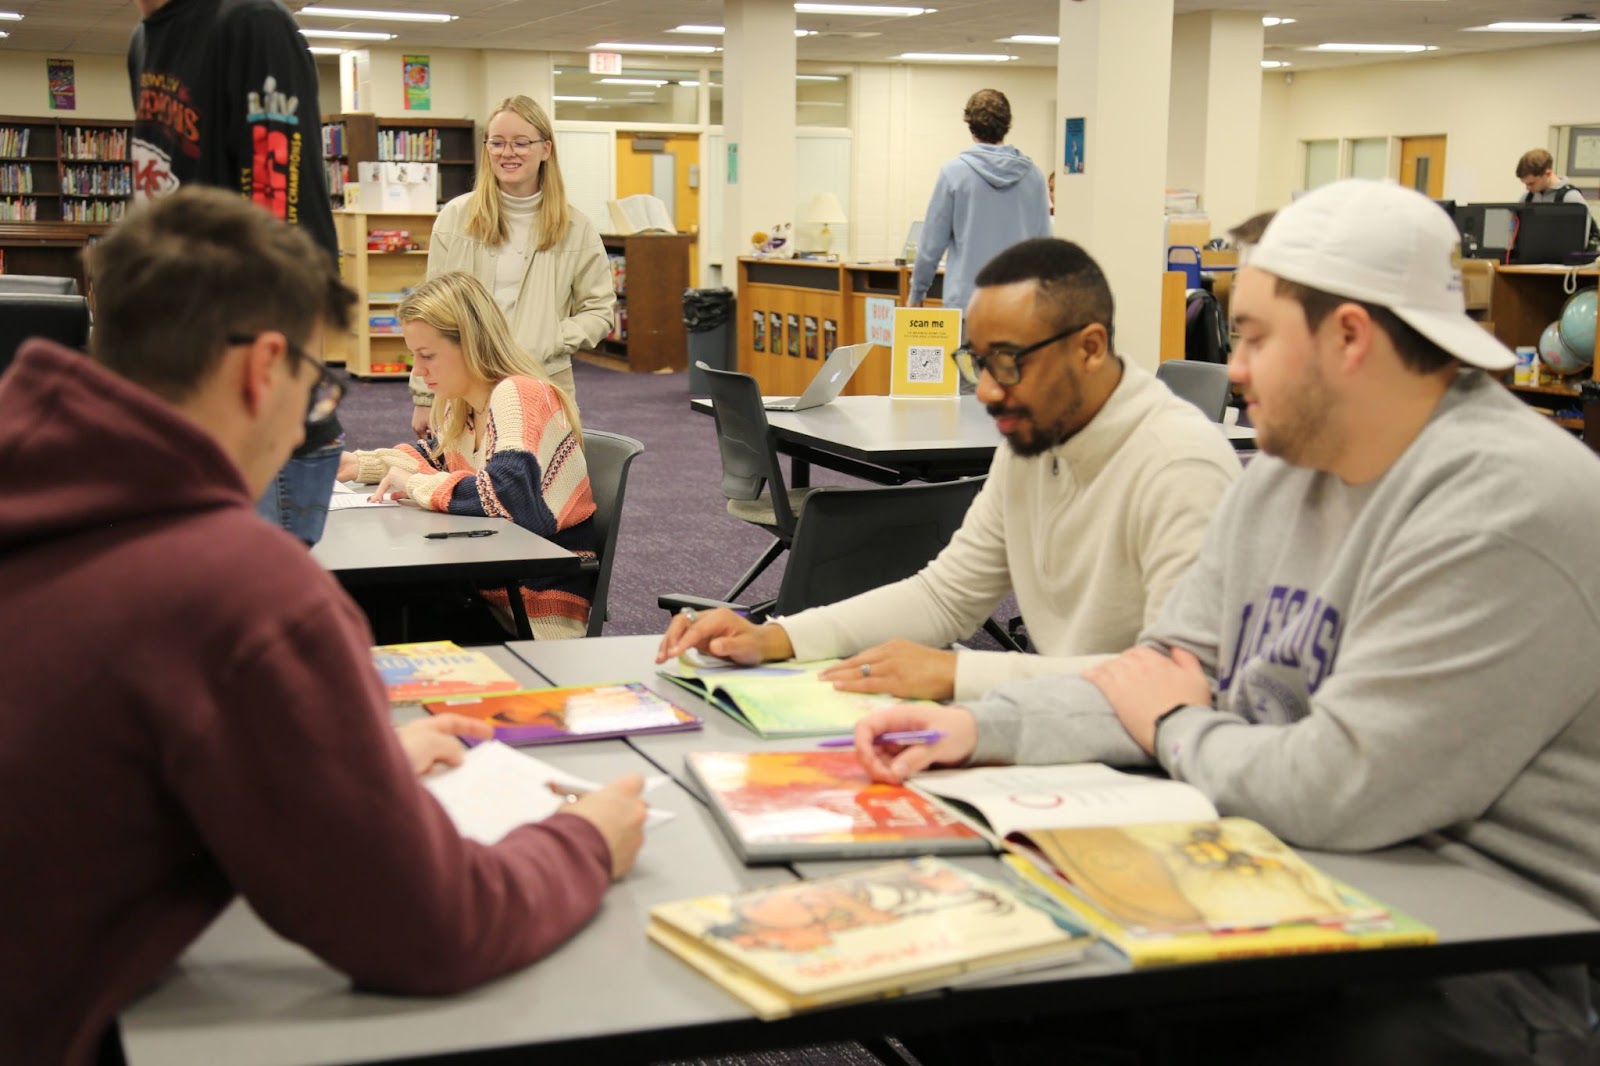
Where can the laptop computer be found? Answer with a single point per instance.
(834, 374)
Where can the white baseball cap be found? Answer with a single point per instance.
(1383, 244)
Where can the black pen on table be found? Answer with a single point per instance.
(462, 533)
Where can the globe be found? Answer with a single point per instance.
(1577, 323)
(1554, 353)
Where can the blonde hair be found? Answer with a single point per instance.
(485, 219)
(459, 307)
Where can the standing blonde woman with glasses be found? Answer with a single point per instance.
(540, 258)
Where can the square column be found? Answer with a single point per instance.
(1113, 72)
(1214, 144)
(758, 66)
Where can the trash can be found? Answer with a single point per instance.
(708, 318)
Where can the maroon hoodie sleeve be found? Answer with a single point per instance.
(300, 789)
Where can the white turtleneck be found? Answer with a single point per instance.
(511, 258)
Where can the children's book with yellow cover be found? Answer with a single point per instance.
(576, 712)
(1194, 891)
(780, 699)
(882, 931)
(438, 668)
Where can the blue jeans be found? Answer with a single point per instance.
(297, 499)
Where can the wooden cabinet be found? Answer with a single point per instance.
(793, 312)
(362, 137)
(651, 271)
(1524, 300)
(374, 347)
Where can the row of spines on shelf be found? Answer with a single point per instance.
(76, 142)
(23, 210)
(75, 180)
(411, 146)
(333, 139)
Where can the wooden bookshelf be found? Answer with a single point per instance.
(62, 182)
(378, 277)
(649, 334)
(359, 137)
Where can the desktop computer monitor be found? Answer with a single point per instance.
(1547, 233)
(1486, 229)
(1448, 206)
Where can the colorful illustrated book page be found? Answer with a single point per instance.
(563, 715)
(438, 668)
(777, 806)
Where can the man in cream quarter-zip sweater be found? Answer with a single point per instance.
(1090, 515)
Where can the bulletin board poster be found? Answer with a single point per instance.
(1073, 154)
(924, 337)
(418, 83)
(63, 84)
(880, 321)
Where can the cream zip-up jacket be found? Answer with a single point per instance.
(567, 300)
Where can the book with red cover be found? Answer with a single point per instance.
(778, 806)
(577, 712)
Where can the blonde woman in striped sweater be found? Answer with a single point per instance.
(503, 442)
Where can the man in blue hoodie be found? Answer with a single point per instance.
(986, 199)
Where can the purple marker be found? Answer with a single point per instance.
(913, 736)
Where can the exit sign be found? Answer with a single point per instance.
(605, 62)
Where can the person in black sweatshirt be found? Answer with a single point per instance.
(225, 94)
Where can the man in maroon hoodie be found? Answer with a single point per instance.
(190, 708)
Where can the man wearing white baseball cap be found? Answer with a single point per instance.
(1389, 635)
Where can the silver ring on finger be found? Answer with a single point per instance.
(866, 669)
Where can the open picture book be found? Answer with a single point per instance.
(779, 699)
(1148, 864)
(881, 931)
(780, 806)
(639, 213)
(572, 713)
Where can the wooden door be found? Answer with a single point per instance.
(1422, 165)
(635, 174)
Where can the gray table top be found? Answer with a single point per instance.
(242, 995)
(371, 544)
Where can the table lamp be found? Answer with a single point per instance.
(825, 210)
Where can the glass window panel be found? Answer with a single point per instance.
(1369, 157)
(1322, 163)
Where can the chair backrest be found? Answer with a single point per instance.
(1203, 384)
(608, 457)
(745, 442)
(851, 540)
(44, 283)
(1205, 337)
(63, 319)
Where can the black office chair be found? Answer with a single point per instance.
(40, 283)
(1203, 384)
(752, 480)
(852, 540)
(608, 455)
(61, 318)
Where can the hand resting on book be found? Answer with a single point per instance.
(432, 741)
(901, 668)
(727, 635)
(893, 763)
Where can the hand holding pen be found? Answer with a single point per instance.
(897, 742)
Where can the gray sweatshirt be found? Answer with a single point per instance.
(1413, 659)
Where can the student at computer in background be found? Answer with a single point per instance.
(503, 441)
(985, 200)
(1536, 169)
(541, 257)
(191, 710)
(1389, 635)
(1090, 513)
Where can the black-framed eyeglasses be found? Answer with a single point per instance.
(520, 145)
(325, 394)
(1004, 367)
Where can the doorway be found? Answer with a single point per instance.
(666, 165)
(1422, 165)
